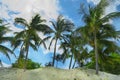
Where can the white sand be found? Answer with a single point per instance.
(54, 74)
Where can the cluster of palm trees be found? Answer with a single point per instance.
(97, 33)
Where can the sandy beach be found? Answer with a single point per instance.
(50, 73)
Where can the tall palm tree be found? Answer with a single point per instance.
(96, 20)
(61, 27)
(3, 49)
(106, 46)
(29, 37)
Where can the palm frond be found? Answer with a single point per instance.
(36, 20)
(6, 39)
(21, 21)
(54, 25)
(20, 34)
(33, 46)
(44, 28)
(100, 8)
(51, 42)
(110, 16)
(16, 44)
(6, 51)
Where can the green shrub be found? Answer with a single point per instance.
(30, 64)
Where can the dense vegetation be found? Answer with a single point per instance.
(97, 33)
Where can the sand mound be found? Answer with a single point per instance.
(49, 73)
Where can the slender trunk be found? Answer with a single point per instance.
(81, 63)
(1, 63)
(96, 53)
(54, 53)
(21, 54)
(70, 61)
(74, 64)
(26, 58)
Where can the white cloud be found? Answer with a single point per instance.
(94, 1)
(48, 9)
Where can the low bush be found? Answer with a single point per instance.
(30, 64)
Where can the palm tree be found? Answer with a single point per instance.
(3, 39)
(73, 48)
(29, 37)
(95, 21)
(60, 28)
(107, 46)
(69, 48)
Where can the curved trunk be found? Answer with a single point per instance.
(96, 53)
(70, 61)
(54, 53)
(1, 63)
(74, 64)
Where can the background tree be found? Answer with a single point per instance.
(73, 49)
(58, 32)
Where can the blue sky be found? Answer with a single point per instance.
(49, 9)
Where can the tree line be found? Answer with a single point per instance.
(97, 33)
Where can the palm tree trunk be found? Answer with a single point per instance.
(74, 64)
(54, 53)
(21, 55)
(26, 58)
(70, 61)
(96, 53)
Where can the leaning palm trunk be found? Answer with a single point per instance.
(96, 52)
(1, 63)
(54, 53)
(71, 61)
(74, 64)
(25, 63)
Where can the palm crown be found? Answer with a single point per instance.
(60, 29)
